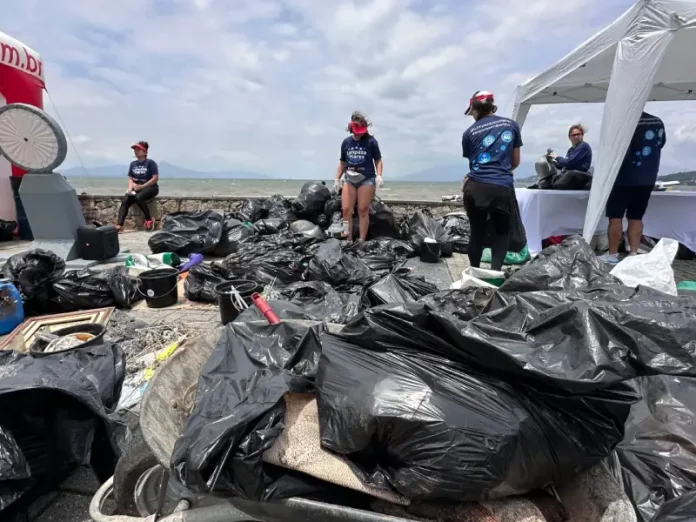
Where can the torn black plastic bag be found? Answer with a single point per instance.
(459, 229)
(332, 266)
(421, 225)
(320, 302)
(87, 290)
(279, 207)
(186, 233)
(234, 233)
(420, 424)
(252, 210)
(464, 304)
(239, 407)
(56, 408)
(658, 453)
(568, 266)
(398, 289)
(311, 201)
(201, 281)
(33, 273)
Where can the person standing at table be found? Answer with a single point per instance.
(579, 155)
(492, 146)
(634, 185)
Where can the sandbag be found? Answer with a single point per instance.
(332, 266)
(572, 180)
(252, 210)
(234, 233)
(458, 227)
(397, 289)
(320, 302)
(33, 273)
(279, 208)
(87, 290)
(7, 229)
(201, 281)
(311, 201)
(421, 225)
(518, 235)
(658, 452)
(186, 233)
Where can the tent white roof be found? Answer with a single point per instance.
(647, 54)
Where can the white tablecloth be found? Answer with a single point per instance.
(547, 213)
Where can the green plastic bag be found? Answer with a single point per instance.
(687, 285)
(511, 258)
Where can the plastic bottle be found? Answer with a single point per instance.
(11, 307)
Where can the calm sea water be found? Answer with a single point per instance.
(246, 188)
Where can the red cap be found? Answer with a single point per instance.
(479, 96)
(358, 128)
(138, 146)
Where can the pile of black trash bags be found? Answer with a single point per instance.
(46, 287)
(461, 395)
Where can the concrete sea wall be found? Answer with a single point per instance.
(104, 209)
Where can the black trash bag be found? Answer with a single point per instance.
(87, 290)
(380, 255)
(518, 235)
(7, 229)
(186, 233)
(382, 222)
(56, 409)
(680, 509)
(394, 401)
(33, 273)
(241, 388)
(15, 475)
(234, 233)
(464, 304)
(571, 180)
(201, 281)
(459, 229)
(270, 226)
(252, 210)
(320, 302)
(281, 266)
(398, 289)
(333, 206)
(307, 228)
(279, 207)
(421, 225)
(658, 453)
(332, 266)
(285, 311)
(311, 201)
(568, 266)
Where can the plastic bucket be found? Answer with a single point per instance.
(160, 287)
(229, 310)
(430, 251)
(94, 335)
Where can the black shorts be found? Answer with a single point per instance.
(488, 197)
(631, 202)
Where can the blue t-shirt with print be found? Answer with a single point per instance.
(488, 145)
(360, 155)
(642, 161)
(142, 171)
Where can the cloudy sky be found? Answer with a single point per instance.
(269, 85)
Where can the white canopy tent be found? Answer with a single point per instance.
(647, 54)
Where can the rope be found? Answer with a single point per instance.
(65, 129)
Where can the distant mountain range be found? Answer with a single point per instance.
(169, 170)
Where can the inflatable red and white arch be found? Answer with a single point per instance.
(21, 81)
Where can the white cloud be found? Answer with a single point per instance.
(268, 85)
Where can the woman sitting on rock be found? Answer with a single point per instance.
(143, 176)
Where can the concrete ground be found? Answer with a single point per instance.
(70, 502)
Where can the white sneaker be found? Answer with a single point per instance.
(610, 259)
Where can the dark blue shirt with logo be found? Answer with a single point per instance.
(642, 161)
(360, 155)
(142, 171)
(488, 145)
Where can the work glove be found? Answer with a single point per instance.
(380, 182)
(337, 186)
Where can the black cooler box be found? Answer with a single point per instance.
(97, 243)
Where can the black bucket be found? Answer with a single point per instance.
(245, 287)
(160, 287)
(39, 346)
(430, 252)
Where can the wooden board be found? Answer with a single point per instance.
(22, 336)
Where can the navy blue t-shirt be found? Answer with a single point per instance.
(488, 145)
(142, 171)
(642, 161)
(577, 158)
(361, 154)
